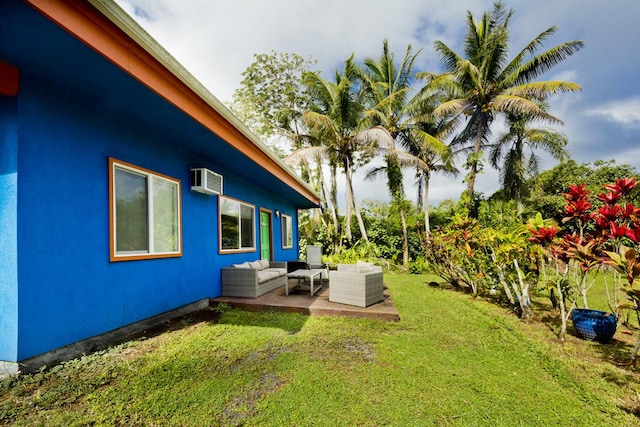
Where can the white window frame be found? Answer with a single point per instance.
(116, 255)
(240, 203)
(286, 224)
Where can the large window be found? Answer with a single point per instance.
(145, 213)
(287, 232)
(237, 225)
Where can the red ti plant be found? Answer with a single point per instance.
(553, 252)
(580, 247)
(599, 238)
(577, 207)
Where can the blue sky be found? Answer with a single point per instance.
(216, 40)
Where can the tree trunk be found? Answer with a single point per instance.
(331, 206)
(583, 294)
(348, 214)
(333, 170)
(349, 199)
(477, 147)
(563, 312)
(363, 230)
(525, 299)
(405, 239)
(425, 199)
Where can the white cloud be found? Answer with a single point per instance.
(625, 112)
(216, 41)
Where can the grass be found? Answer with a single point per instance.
(451, 360)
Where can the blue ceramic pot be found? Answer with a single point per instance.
(594, 325)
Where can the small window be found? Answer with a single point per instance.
(287, 232)
(237, 225)
(145, 213)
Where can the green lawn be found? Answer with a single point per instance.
(451, 360)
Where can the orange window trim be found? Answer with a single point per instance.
(234, 251)
(112, 217)
(94, 29)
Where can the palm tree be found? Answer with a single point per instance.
(509, 150)
(424, 159)
(311, 159)
(335, 119)
(387, 87)
(427, 159)
(410, 125)
(483, 83)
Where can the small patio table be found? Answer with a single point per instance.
(306, 273)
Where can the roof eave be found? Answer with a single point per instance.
(138, 54)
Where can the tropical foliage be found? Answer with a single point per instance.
(413, 120)
(484, 83)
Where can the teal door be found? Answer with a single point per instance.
(265, 235)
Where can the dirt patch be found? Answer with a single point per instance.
(245, 406)
(356, 346)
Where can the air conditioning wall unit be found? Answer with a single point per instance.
(206, 181)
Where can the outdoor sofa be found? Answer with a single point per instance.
(358, 284)
(252, 279)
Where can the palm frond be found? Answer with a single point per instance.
(515, 104)
(374, 172)
(528, 50)
(377, 137)
(450, 108)
(542, 89)
(543, 62)
(448, 57)
(304, 156)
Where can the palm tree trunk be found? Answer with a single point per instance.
(425, 200)
(349, 199)
(351, 195)
(405, 239)
(477, 148)
(333, 206)
(471, 184)
(334, 201)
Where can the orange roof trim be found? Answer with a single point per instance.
(92, 27)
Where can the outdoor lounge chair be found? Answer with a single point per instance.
(356, 284)
(314, 260)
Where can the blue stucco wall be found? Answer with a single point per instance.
(8, 229)
(68, 288)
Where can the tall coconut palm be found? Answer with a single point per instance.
(509, 157)
(335, 119)
(410, 125)
(485, 83)
(423, 140)
(387, 87)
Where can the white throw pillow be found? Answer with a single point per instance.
(243, 265)
(264, 263)
(255, 265)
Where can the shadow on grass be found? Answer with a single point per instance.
(291, 324)
(223, 314)
(208, 315)
(615, 351)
